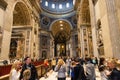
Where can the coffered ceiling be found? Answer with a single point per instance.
(21, 15)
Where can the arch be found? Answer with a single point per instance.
(21, 14)
(85, 11)
(60, 25)
(60, 20)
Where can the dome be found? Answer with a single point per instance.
(57, 6)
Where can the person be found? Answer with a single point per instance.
(26, 74)
(90, 69)
(93, 61)
(61, 69)
(118, 65)
(96, 59)
(73, 64)
(103, 69)
(68, 64)
(79, 71)
(53, 62)
(115, 70)
(29, 65)
(15, 71)
(46, 65)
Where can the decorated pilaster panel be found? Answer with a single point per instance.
(27, 43)
(86, 41)
(92, 4)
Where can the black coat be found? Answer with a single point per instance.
(79, 72)
(33, 70)
(115, 75)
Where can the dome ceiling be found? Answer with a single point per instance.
(57, 6)
(62, 15)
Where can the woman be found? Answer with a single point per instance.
(103, 69)
(53, 63)
(61, 69)
(46, 65)
(15, 71)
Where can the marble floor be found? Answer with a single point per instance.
(53, 76)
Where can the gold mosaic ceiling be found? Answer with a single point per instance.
(21, 15)
(60, 26)
(61, 30)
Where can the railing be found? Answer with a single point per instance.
(39, 66)
(5, 70)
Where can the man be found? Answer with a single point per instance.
(79, 71)
(68, 64)
(114, 67)
(29, 65)
(90, 69)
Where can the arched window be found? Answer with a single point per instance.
(73, 2)
(46, 3)
(67, 5)
(60, 6)
(53, 5)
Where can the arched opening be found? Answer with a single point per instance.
(61, 31)
(85, 12)
(21, 15)
(21, 20)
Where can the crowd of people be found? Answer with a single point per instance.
(27, 71)
(76, 68)
(84, 69)
(109, 69)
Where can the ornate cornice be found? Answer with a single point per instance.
(35, 4)
(3, 4)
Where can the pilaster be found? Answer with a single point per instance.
(113, 25)
(93, 28)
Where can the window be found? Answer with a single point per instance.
(67, 5)
(60, 6)
(73, 2)
(46, 3)
(53, 5)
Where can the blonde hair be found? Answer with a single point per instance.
(26, 74)
(61, 62)
(113, 61)
(118, 64)
(14, 66)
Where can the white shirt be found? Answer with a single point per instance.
(15, 75)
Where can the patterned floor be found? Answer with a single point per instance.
(53, 76)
